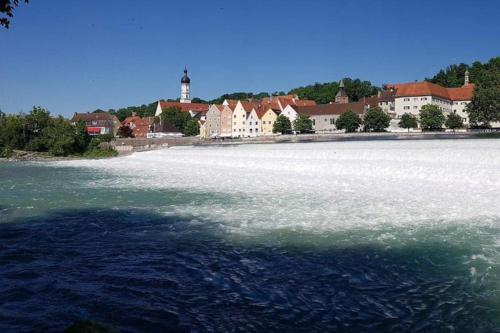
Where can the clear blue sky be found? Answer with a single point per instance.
(75, 56)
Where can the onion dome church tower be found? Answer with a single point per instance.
(185, 88)
(341, 96)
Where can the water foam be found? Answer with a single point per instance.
(320, 186)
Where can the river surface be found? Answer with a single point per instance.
(378, 236)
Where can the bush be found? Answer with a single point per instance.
(192, 128)
(348, 121)
(454, 121)
(125, 132)
(376, 120)
(6, 152)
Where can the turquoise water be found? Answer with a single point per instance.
(352, 236)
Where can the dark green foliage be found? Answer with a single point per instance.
(324, 93)
(454, 121)
(6, 152)
(7, 11)
(302, 124)
(238, 96)
(38, 131)
(100, 153)
(192, 128)
(348, 121)
(451, 77)
(408, 121)
(176, 117)
(141, 111)
(431, 117)
(376, 120)
(485, 105)
(125, 132)
(282, 125)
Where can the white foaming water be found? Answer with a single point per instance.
(320, 186)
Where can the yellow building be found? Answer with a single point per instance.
(267, 117)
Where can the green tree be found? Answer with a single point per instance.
(82, 138)
(376, 120)
(408, 121)
(176, 117)
(454, 121)
(431, 117)
(303, 124)
(348, 121)
(324, 93)
(60, 137)
(125, 132)
(282, 125)
(192, 128)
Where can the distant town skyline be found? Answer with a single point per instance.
(86, 55)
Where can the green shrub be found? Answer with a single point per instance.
(100, 153)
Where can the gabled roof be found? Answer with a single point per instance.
(387, 96)
(185, 107)
(248, 106)
(464, 93)
(415, 89)
(96, 116)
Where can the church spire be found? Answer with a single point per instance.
(341, 96)
(466, 79)
(185, 87)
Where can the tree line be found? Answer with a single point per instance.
(430, 118)
(38, 131)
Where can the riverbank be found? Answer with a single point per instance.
(34, 156)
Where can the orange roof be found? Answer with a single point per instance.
(185, 107)
(140, 126)
(248, 106)
(464, 93)
(415, 89)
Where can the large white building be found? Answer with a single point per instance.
(410, 97)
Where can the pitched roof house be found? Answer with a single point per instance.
(98, 123)
(140, 126)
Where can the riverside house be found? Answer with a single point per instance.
(213, 121)
(98, 123)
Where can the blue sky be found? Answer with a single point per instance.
(74, 56)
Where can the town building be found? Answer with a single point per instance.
(140, 126)
(213, 121)
(226, 122)
(98, 123)
(410, 97)
(341, 96)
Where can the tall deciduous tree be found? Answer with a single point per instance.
(431, 117)
(376, 120)
(303, 124)
(282, 125)
(176, 117)
(348, 121)
(408, 121)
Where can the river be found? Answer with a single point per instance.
(375, 236)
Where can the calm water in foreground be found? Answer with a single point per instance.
(383, 236)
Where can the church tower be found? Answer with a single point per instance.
(185, 87)
(466, 80)
(341, 97)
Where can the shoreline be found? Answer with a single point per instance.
(141, 145)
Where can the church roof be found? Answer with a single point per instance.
(185, 78)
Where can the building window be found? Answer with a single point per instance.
(406, 108)
(234, 116)
(332, 121)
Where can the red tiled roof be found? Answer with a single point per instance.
(248, 106)
(331, 109)
(140, 126)
(464, 93)
(100, 116)
(185, 107)
(415, 89)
